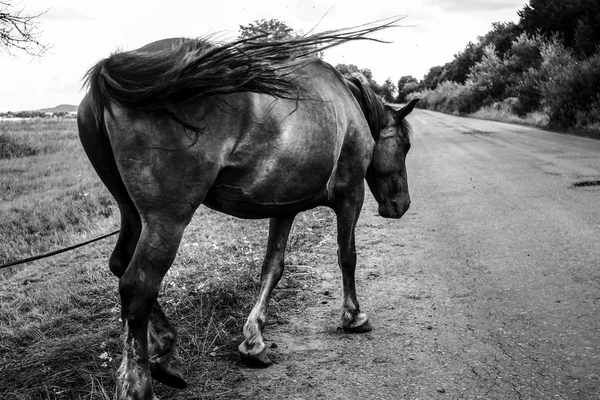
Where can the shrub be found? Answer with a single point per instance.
(570, 89)
(523, 67)
(486, 82)
(528, 93)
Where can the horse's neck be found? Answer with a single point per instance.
(370, 106)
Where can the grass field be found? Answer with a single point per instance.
(48, 189)
(59, 317)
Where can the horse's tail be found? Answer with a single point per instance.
(99, 100)
(151, 79)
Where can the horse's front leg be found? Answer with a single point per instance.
(139, 288)
(253, 349)
(347, 211)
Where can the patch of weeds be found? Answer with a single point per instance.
(11, 147)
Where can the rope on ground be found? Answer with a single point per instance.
(52, 253)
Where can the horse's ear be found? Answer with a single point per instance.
(404, 111)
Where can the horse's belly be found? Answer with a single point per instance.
(240, 203)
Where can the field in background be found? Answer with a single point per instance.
(48, 189)
(59, 317)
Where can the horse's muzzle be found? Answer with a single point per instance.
(394, 208)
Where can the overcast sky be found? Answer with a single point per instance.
(82, 32)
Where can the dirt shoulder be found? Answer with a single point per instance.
(315, 359)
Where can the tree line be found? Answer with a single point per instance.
(548, 63)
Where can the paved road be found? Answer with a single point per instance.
(489, 287)
(515, 250)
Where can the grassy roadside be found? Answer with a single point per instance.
(501, 113)
(535, 119)
(59, 317)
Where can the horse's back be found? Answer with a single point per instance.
(286, 155)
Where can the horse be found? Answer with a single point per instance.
(246, 131)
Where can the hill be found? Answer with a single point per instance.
(60, 108)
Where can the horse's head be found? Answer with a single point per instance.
(386, 175)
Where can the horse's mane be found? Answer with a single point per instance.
(163, 74)
(373, 108)
(371, 105)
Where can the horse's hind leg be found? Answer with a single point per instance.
(99, 151)
(347, 212)
(164, 362)
(253, 349)
(138, 287)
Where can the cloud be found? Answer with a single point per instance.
(472, 6)
(65, 14)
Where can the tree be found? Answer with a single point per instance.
(347, 70)
(364, 74)
(577, 22)
(502, 35)
(406, 85)
(271, 30)
(458, 69)
(522, 71)
(433, 77)
(486, 82)
(266, 30)
(19, 31)
(388, 89)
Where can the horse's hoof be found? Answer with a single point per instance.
(168, 373)
(255, 359)
(360, 324)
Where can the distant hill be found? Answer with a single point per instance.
(60, 108)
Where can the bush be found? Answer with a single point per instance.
(528, 94)
(486, 83)
(570, 89)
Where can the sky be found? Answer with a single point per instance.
(82, 32)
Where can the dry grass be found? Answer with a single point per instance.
(59, 317)
(538, 119)
(501, 112)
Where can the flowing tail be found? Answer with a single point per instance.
(150, 79)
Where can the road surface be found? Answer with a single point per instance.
(489, 287)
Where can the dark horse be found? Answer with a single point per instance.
(244, 130)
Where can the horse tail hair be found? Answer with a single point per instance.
(95, 83)
(155, 78)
